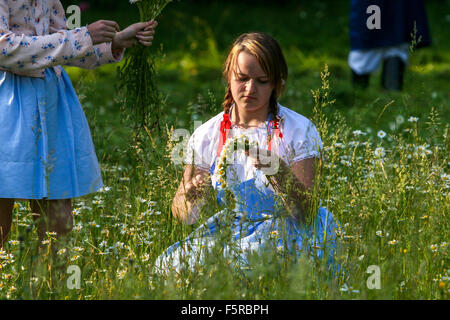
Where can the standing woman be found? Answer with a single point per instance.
(388, 45)
(46, 150)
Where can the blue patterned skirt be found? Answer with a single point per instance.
(46, 149)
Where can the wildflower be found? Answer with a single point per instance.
(141, 200)
(354, 144)
(78, 249)
(399, 119)
(358, 133)
(145, 257)
(445, 177)
(94, 224)
(148, 212)
(392, 126)
(379, 233)
(434, 247)
(61, 251)
(379, 152)
(381, 134)
(413, 119)
(393, 242)
(13, 242)
(121, 273)
(97, 202)
(75, 257)
(45, 241)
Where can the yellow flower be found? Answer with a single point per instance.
(16, 205)
(441, 285)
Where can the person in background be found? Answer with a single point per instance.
(401, 24)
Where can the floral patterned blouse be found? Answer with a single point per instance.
(34, 36)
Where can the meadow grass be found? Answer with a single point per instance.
(384, 173)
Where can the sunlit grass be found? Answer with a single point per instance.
(385, 177)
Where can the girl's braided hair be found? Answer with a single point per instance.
(269, 55)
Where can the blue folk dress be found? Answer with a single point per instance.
(46, 149)
(258, 220)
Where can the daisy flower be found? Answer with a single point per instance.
(381, 134)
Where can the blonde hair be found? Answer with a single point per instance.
(268, 53)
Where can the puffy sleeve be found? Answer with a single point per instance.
(307, 144)
(202, 146)
(98, 55)
(301, 139)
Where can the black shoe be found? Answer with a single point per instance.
(360, 80)
(392, 75)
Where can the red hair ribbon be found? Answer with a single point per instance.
(225, 125)
(275, 124)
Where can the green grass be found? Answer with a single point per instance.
(393, 209)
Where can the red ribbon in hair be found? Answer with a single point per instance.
(225, 125)
(275, 124)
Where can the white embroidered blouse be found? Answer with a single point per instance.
(34, 36)
(300, 141)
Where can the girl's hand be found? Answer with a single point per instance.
(103, 31)
(272, 166)
(141, 32)
(267, 161)
(194, 188)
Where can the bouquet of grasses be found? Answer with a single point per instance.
(137, 83)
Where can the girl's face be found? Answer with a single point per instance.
(250, 86)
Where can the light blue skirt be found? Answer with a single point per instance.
(247, 236)
(46, 149)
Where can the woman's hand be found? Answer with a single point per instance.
(294, 183)
(195, 188)
(186, 203)
(103, 31)
(141, 32)
(269, 163)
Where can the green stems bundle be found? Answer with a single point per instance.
(138, 75)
